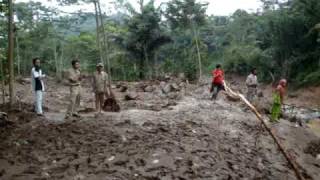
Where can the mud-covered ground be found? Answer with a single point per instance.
(166, 136)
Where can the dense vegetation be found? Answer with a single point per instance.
(283, 40)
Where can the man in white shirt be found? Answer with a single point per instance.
(252, 84)
(37, 85)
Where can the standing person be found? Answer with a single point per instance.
(252, 84)
(278, 99)
(74, 81)
(217, 81)
(100, 88)
(37, 85)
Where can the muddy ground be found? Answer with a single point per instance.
(173, 135)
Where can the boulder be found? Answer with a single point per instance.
(131, 96)
(149, 89)
(4, 121)
(175, 87)
(123, 88)
(167, 88)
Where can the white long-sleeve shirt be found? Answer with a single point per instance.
(36, 74)
(252, 80)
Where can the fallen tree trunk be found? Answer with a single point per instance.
(287, 155)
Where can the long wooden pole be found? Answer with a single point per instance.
(286, 154)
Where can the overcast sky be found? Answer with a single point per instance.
(216, 7)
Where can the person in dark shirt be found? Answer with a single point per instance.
(37, 85)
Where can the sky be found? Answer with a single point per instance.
(216, 7)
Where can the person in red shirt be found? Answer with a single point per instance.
(217, 81)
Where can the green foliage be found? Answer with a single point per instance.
(282, 40)
(144, 36)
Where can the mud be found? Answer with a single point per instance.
(159, 136)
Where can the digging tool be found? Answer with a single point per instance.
(287, 155)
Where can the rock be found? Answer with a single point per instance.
(260, 94)
(173, 95)
(162, 84)
(148, 89)
(175, 87)
(4, 121)
(131, 96)
(166, 89)
(182, 76)
(182, 85)
(123, 88)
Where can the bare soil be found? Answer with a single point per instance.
(158, 136)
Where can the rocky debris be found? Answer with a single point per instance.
(123, 88)
(167, 88)
(175, 87)
(149, 88)
(313, 148)
(131, 96)
(263, 105)
(4, 121)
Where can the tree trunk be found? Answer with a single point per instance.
(3, 89)
(61, 63)
(198, 52)
(97, 29)
(55, 54)
(146, 57)
(141, 67)
(10, 54)
(18, 55)
(105, 43)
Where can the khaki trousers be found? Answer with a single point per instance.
(75, 92)
(251, 93)
(99, 100)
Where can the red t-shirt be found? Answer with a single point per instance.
(217, 76)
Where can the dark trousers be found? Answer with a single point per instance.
(215, 89)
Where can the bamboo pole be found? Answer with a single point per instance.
(295, 166)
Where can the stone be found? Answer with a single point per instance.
(175, 87)
(131, 96)
(167, 89)
(148, 89)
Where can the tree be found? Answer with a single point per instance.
(10, 52)
(188, 14)
(145, 36)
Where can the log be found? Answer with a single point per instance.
(295, 166)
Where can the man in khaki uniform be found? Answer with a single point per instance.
(252, 85)
(74, 81)
(100, 86)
